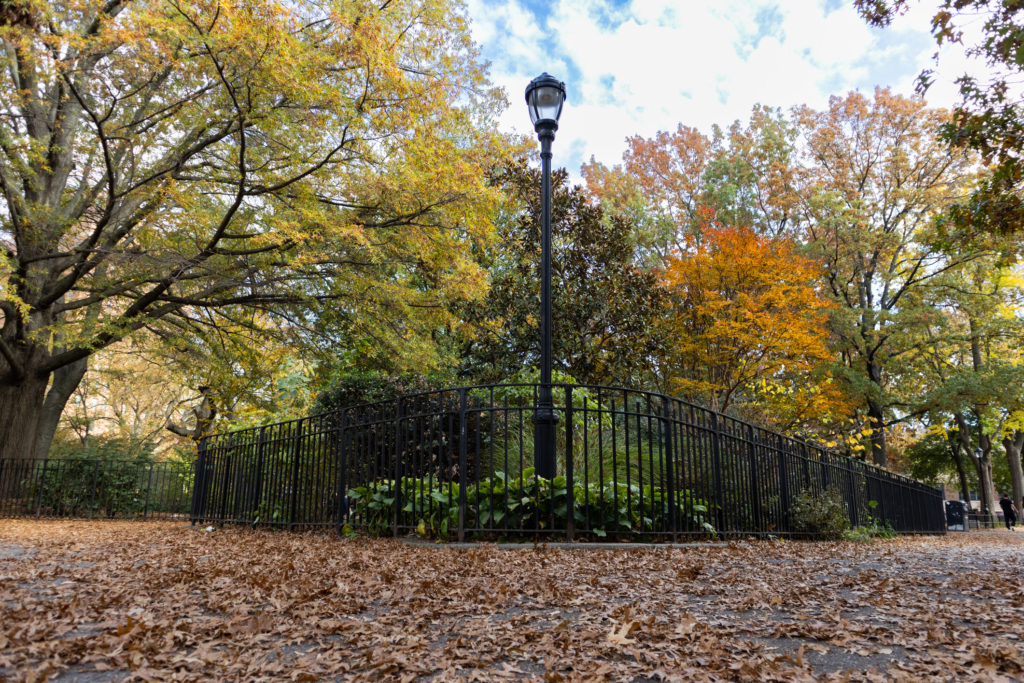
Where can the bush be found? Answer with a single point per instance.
(524, 505)
(821, 513)
(102, 447)
(357, 387)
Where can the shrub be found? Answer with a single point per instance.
(523, 504)
(822, 513)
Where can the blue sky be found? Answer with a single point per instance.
(639, 66)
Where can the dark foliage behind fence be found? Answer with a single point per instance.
(95, 489)
(457, 463)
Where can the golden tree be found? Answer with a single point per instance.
(315, 161)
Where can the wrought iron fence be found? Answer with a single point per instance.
(95, 489)
(457, 463)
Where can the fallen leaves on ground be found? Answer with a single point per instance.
(158, 602)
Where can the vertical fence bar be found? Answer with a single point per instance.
(716, 464)
(257, 494)
(342, 465)
(754, 481)
(42, 486)
(462, 465)
(199, 480)
(92, 494)
(666, 412)
(783, 488)
(296, 450)
(806, 466)
(570, 506)
(149, 486)
(852, 491)
(397, 493)
(225, 484)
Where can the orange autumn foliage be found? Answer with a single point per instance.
(748, 326)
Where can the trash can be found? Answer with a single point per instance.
(955, 515)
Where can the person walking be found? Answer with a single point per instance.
(1009, 513)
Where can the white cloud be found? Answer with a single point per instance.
(647, 65)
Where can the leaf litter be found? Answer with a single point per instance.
(156, 602)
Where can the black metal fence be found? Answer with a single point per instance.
(95, 489)
(457, 463)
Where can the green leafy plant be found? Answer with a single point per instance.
(867, 533)
(822, 513)
(524, 503)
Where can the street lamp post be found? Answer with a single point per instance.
(544, 97)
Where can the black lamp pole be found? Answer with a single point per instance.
(545, 96)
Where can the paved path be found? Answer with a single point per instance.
(117, 601)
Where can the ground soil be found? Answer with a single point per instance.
(116, 601)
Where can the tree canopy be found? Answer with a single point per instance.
(174, 167)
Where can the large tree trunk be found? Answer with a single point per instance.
(876, 417)
(1013, 445)
(65, 380)
(21, 404)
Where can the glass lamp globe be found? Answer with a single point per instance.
(544, 97)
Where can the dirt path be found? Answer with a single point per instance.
(132, 601)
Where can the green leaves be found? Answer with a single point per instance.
(521, 504)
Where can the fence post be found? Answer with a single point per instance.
(42, 485)
(462, 465)
(756, 493)
(398, 463)
(666, 411)
(296, 450)
(716, 460)
(342, 493)
(149, 486)
(570, 497)
(783, 488)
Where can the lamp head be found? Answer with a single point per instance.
(544, 97)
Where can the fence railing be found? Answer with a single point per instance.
(458, 463)
(95, 489)
(980, 520)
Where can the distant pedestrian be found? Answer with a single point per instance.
(1009, 514)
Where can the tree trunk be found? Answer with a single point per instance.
(982, 463)
(21, 404)
(1013, 445)
(986, 484)
(965, 487)
(876, 419)
(65, 380)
